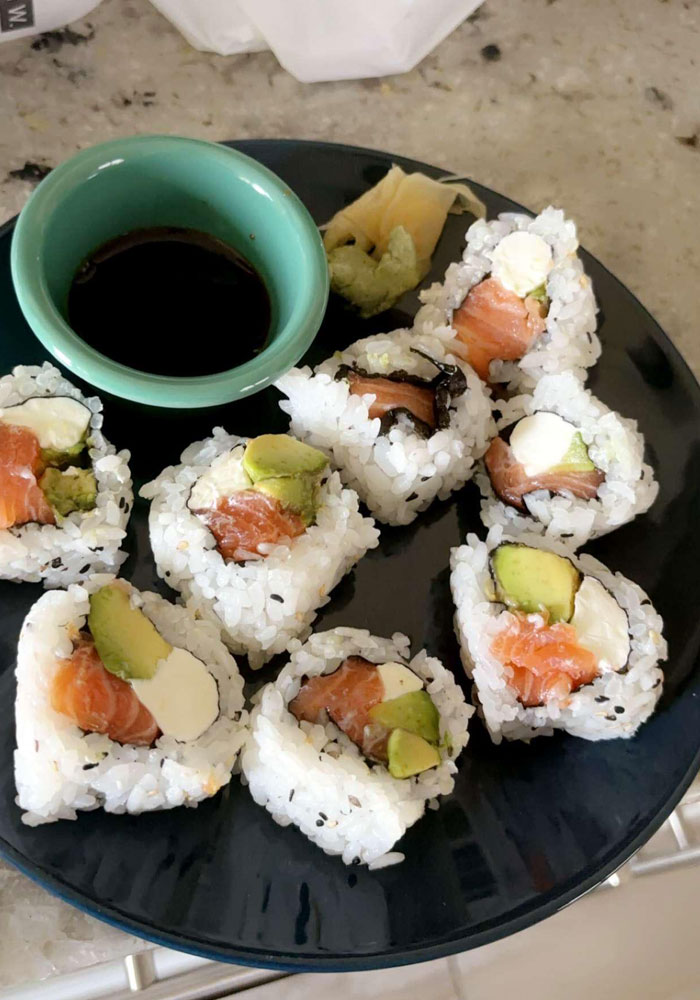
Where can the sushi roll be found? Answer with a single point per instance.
(553, 640)
(65, 493)
(353, 739)
(124, 701)
(402, 419)
(518, 305)
(564, 464)
(255, 534)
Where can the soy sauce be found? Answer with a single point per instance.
(170, 301)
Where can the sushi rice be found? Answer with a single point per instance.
(569, 342)
(60, 770)
(400, 473)
(614, 705)
(262, 604)
(315, 777)
(614, 445)
(82, 542)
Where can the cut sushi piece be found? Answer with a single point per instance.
(315, 775)
(258, 559)
(594, 673)
(564, 465)
(402, 419)
(65, 494)
(518, 305)
(88, 738)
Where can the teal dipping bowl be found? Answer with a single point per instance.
(143, 181)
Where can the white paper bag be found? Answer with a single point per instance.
(19, 18)
(322, 39)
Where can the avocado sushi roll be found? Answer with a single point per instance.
(65, 493)
(518, 305)
(402, 419)
(564, 464)
(553, 640)
(255, 533)
(352, 741)
(124, 701)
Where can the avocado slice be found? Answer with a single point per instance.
(532, 580)
(70, 490)
(55, 458)
(273, 456)
(410, 754)
(128, 643)
(297, 494)
(413, 712)
(576, 458)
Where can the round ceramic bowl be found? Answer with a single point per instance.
(145, 181)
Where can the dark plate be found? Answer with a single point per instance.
(528, 828)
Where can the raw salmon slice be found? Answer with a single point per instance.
(98, 702)
(21, 499)
(546, 660)
(347, 696)
(395, 395)
(494, 323)
(247, 519)
(511, 482)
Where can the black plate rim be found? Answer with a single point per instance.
(367, 962)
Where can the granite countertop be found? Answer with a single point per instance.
(595, 107)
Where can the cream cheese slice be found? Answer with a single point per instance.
(182, 696)
(540, 441)
(521, 262)
(601, 624)
(59, 422)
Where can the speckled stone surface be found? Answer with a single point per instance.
(593, 106)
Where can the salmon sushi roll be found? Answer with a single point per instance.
(353, 740)
(402, 419)
(518, 305)
(254, 534)
(124, 702)
(65, 493)
(564, 464)
(553, 640)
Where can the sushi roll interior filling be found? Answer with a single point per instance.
(44, 463)
(383, 708)
(503, 316)
(561, 629)
(123, 679)
(545, 452)
(261, 494)
(425, 403)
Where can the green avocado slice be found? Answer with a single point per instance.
(534, 580)
(413, 711)
(127, 641)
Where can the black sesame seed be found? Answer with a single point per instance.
(619, 709)
(611, 718)
(122, 503)
(491, 53)
(424, 479)
(356, 861)
(601, 698)
(167, 572)
(319, 822)
(277, 597)
(291, 794)
(657, 682)
(323, 816)
(84, 569)
(413, 496)
(88, 767)
(126, 508)
(56, 562)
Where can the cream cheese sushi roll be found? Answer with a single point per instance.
(518, 305)
(401, 418)
(553, 640)
(352, 741)
(124, 701)
(564, 464)
(65, 493)
(255, 534)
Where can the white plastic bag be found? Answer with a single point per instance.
(19, 18)
(322, 39)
